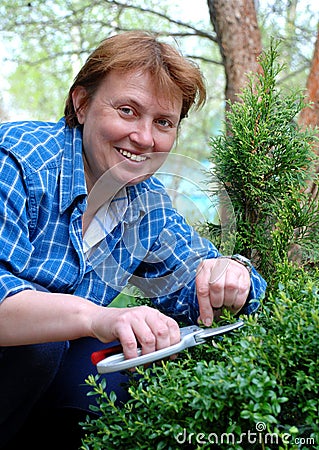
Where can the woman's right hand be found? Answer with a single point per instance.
(137, 326)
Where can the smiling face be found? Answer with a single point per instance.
(128, 127)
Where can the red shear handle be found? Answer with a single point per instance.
(102, 354)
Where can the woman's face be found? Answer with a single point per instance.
(127, 128)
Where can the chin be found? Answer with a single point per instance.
(137, 180)
(134, 179)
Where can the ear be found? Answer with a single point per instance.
(78, 97)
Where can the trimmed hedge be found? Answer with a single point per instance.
(256, 388)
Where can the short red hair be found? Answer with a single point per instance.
(140, 51)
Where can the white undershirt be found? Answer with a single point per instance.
(105, 219)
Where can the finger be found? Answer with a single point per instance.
(217, 283)
(165, 330)
(175, 333)
(128, 342)
(132, 330)
(146, 338)
(238, 287)
(241, 298)
(206, 314)
(230, 289)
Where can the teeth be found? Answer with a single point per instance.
(132, 156)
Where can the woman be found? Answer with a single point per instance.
(82, 216)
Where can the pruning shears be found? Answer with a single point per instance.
(112, 359)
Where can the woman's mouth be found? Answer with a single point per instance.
(131, 156)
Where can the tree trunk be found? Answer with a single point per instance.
(239, 40)
(309, 116)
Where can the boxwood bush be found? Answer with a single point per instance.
(256, 388)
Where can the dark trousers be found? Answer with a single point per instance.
(43, 394)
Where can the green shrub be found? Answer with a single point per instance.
(257, 388)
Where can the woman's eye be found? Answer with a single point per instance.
(164, 123)
(126, 110)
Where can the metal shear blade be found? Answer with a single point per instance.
(206, 333)
(190, 336)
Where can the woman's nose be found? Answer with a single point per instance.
(142, 134)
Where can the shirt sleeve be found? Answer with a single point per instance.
(167, 274)
(15, 246)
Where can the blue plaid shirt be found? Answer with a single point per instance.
(42, 199)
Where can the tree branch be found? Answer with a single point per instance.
(196, 31)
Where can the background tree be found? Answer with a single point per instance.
(239, 40)
(309, 116)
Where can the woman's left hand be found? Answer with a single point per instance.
(221, 283)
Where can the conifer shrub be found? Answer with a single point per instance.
(265, 160)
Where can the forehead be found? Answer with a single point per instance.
(142, 85)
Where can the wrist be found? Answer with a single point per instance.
(241, 260)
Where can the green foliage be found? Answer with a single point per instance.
(265, 161)
(252, 389)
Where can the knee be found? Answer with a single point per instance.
(26, 373)
(47, 358)
(38, 361)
